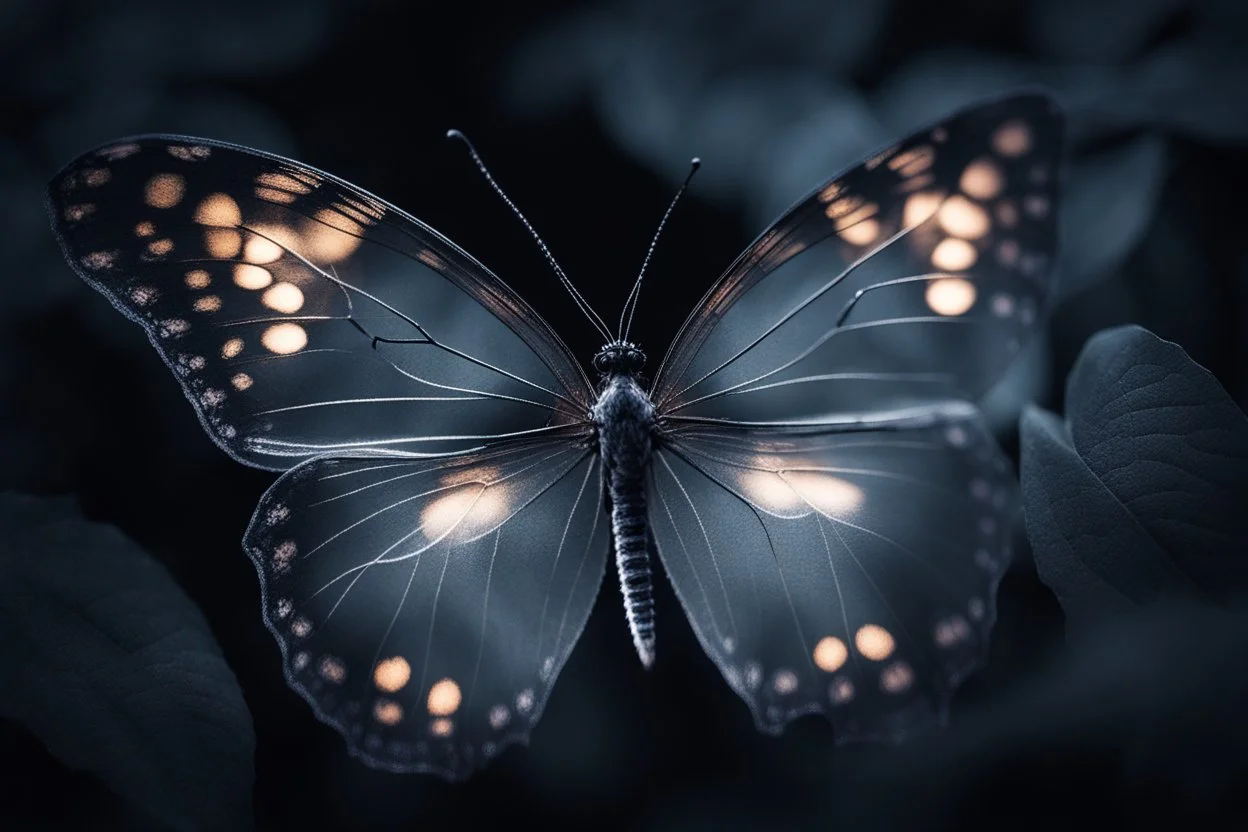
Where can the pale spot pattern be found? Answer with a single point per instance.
(950, 296)
(500, 715)
(332, 670)
(241, 381)
(164, 190)
(284, 339)
(208, 303)
(830, 654)
(392, 674)
(247, 276)
(387, 712)
(444, 698)
(896, 678)
(232, 348)
(784, 682)
(982, 179)
(874, 642)
(954, 255)
(283, 297)
(197, 279)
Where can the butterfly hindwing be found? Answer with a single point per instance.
(845, 572)
(425, 607)
(303, 315)
(913, 277)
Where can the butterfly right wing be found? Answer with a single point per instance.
(425, 607)
(844, 569)
(303, 315)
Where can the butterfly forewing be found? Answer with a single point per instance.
(424, 608)
(848, 573)
(913, 277)
(303, 315)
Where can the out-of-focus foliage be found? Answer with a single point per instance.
(113, 667)
(1138, 497)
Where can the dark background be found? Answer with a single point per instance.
(588, 114)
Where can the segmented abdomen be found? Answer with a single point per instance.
(632, 559)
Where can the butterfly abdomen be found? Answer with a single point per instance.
(625, 419)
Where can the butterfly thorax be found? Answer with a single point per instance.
(624, 417)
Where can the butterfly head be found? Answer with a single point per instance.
(619, 357)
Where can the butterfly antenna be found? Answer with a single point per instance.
(630, 303)
(593, 316)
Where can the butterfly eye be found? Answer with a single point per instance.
(602, 362)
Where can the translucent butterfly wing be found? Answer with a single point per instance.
(913, 277)
(424, 608)
(303, 315)
(845, 572)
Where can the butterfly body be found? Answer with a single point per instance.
(625, 426)
(807, 462)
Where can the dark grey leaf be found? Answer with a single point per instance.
(1139, 497)
(114, 668)
(1088, 548)
(1170, 444)
(1106, 210)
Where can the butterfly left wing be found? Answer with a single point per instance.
(303, 315)
(425, 607)
(847, 569)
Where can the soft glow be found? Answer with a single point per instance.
(218, 209)
(874, 642)
(920, 207)
(896, 678)
(231, 347)
(387, 712)
(144, 229)
(769, 491)
(392, 674)
(331, 237)
(464, 512)
(247, 276)
(283, 297)
(1008, 252)
(269, 243)
(208, 303)
(951, 631)
(525, 701)
(950, 296)
(982, 179)
(830, 654)
(284, 339)
(827, 494)
(499, 717)
(99, 176)
(963, 218)
(223, 242)
(164, 190)
(197, 279)
(159, 248)
(863, 233)
(841, 691)
(241, 381)
(1012, 139)
(441, 727)
(1036, 205)
(954, 255)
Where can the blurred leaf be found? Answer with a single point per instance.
(1139, 497)
(1171, 445)
(1197, 86)
(1110, 199)
(1096, 30)
(114, 668)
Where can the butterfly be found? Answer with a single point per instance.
(807, 462)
